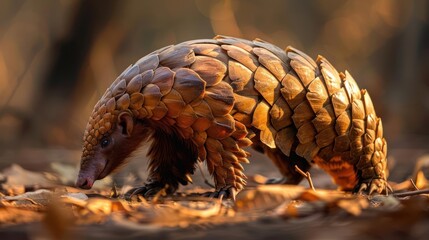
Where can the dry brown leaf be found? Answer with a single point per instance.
(350, 203)
(323, 195)
(99, 206)
(296, 209)
(312, 202)
(204, 208)
(17, 176)
(10, 216)
(266, 197)
(41, 196)
(77, 199)
(353, 206)
(106, 206)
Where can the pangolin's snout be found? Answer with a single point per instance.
(84, 182)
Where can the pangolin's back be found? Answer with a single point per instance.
(210, 89)
(298, 104)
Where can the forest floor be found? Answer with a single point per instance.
(38, 201)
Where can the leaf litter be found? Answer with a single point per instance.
(32, 197)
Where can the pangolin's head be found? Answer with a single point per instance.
(112, 133)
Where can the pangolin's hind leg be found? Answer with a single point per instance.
(285, 164)
(172, 161)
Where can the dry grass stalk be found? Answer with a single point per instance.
(307, 176)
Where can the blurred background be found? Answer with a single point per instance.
(57, 57)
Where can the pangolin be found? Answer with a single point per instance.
(205, 100)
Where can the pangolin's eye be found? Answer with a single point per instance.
(105, 142)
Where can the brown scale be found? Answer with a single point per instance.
(210, 96)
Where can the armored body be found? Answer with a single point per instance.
(205, 100)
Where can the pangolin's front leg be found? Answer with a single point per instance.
(223, 158)
(172, 161)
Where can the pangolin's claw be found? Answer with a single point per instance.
(362, 188)
(134, 192)
(389, 188)
(222, 194)
(142, 191)
(148, 190)
(139, 191)
(151, 192)
(232, 193)
(225, 192)
(373, 186)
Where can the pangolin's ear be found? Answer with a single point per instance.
(126, 123)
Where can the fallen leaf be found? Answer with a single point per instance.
(11, 215)
(299, 209)
(266, 197)
(41, 196)
(354, 206)
(324, 195)
(17, 176)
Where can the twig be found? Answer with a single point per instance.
(114, 191)
(204, 176)
(411, 193)
(307, 176)
(412, 182)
